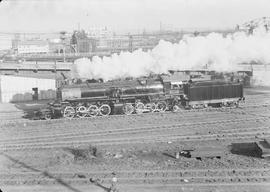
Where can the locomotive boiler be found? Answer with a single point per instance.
(142, 95)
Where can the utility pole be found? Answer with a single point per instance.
(55, 73)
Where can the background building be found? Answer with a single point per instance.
(99, 33)
(30, 46)
(56, 46)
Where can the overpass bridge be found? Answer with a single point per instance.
(48, 69)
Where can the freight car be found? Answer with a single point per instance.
(144, 95)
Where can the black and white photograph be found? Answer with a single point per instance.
(134, 96)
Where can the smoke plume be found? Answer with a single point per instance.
(214, 52)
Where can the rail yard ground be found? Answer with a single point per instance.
(62, 155)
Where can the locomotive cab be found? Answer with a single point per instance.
(175, 88)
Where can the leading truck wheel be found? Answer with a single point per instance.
(105, 110)
(128, 109)
(93, 110)
(82, 111)
(69, 112)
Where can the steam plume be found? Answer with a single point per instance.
(213, 51)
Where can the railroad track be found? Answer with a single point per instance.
(87, 127)
(220, 126)
(114, 125)
(54, 130)
(136, 140)
(64, 131)
(134, 136)
(137, 177)
(146, 118)
(6, 122)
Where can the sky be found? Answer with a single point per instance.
(55, 15)
(126, 15)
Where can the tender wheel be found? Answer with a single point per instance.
(93, 110)
(139, 108)
(128, 109)
(69, 112)
(105, 110)
(161, 106)
(82, 111)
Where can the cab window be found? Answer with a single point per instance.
(176, 86)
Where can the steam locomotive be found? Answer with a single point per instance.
(140, 96)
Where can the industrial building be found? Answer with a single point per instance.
(82, 43)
